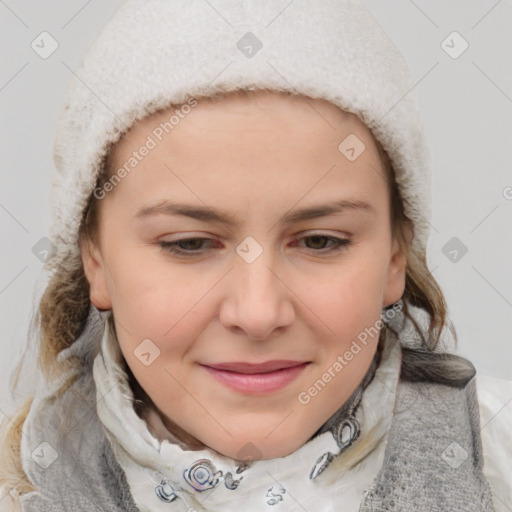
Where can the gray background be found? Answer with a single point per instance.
(467, 110)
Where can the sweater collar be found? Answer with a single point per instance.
(168, 469)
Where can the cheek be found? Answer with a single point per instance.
(165, 312)
(156, 302)
(350, 305)
(345, 302)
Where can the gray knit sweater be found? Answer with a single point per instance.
(433, 459)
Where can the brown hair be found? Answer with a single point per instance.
(64, 307)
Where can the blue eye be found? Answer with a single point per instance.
(189, 247)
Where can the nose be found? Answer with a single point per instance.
(257, 301)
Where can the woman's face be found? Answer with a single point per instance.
(268, 265)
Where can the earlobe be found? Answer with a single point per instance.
(396, 277)
(94, 270)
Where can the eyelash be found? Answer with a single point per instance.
(173, 247)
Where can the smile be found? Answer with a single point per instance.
(256, 383)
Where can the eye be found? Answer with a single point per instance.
(190, 247)
(185, 246)
(318, 242)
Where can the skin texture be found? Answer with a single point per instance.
(256, 159)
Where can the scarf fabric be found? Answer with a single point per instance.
(85, 449)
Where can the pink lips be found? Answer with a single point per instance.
(269, 366)
(256, 378)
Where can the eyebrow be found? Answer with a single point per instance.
(207, 214)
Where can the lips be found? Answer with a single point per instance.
(257, 379)
(253, 368)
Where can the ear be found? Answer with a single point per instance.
(395, 283)
(95, 271)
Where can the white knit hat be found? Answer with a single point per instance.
(154, 53)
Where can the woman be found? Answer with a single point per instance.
(240, 312)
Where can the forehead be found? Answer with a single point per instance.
(276, 143)
(247, 113)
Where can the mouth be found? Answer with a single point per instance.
(253, 368)
(257, 378)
